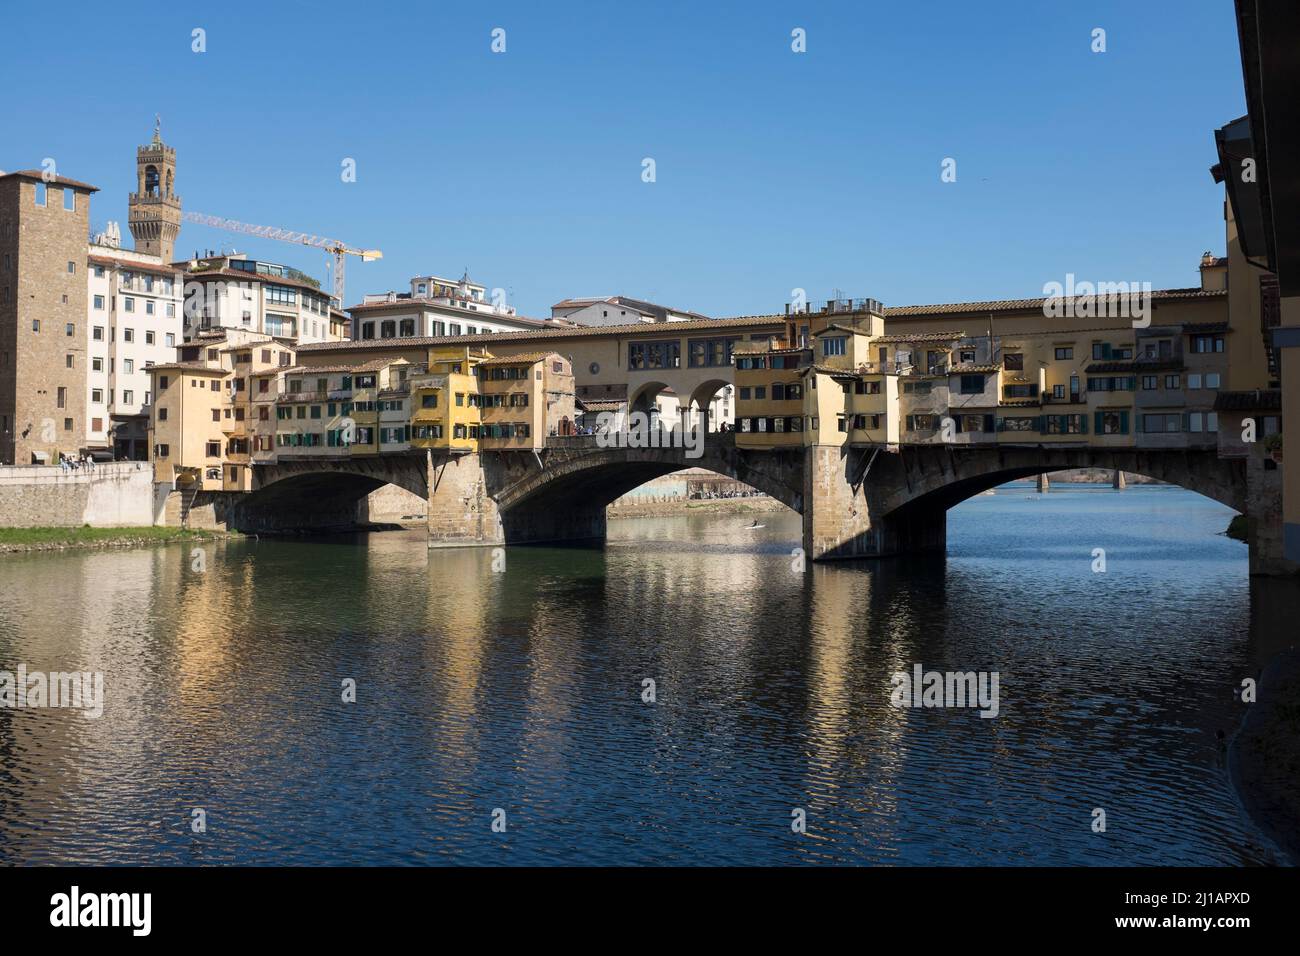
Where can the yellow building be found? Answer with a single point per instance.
(524, 398)
(186, 424)
(445, 400)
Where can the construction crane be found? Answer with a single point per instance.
(337, 249)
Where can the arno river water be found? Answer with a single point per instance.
(522, 690)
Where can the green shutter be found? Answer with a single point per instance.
(1097, 424)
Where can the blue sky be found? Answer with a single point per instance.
(775, 170)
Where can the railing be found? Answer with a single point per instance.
(303, 397)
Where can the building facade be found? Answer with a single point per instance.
(44, 341)
(225, 292)
(436, 307)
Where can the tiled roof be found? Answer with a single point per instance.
(41, 176)
(374, 365)
(1024, 305)
(1259, 400)
(1160, 365)
(528, 358)
(1192, 328)
(918, 337)
(592, 405)
(963, 369)
(130, 265)
(828, 370)
(423, 303)
(242, 276)
(187, 367)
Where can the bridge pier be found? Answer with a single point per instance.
(838, 519)
(461, 512)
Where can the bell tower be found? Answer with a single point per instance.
(155, 209)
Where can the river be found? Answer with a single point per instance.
(518, 695)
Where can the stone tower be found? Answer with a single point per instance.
(155, 209)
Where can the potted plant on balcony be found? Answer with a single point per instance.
(1273, 445)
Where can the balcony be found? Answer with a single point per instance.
(303, 397)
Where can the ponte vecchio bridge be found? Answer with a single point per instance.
(858, 498)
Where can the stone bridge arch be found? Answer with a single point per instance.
(322, 493)
(562, 492)
(944, 476)
(895, 503)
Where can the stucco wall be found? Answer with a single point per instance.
(113, 495)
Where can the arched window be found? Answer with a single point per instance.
(151, 180)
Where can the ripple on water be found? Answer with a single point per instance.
(523, 691)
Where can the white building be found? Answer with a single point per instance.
(134, 306)
(618, 310)
(235, 292)
(436, 307)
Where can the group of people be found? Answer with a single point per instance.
(73, 464)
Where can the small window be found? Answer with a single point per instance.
(70, 204)
(40, 194)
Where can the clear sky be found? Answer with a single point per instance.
(774, 169)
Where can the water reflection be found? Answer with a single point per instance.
(522, 690)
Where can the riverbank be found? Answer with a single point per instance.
(1264, 758)
(759, 504)
(17, 540)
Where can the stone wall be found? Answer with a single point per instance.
(392, 503)
(460, 510)
(112, 495)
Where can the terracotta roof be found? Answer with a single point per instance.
(828, 370)
(919, 337)
(1259, 400)
(41, 176)
(129, 265)
(1025, 305)
(373, 365)
(1018, 403)
(840, 328)
(658, 329)
(601, 406)
(528, 358)
(422, 303)
(963, 369)
(640, 305)
(1135, 366)
(187, 367)
(242, 276)
(1190, 328)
